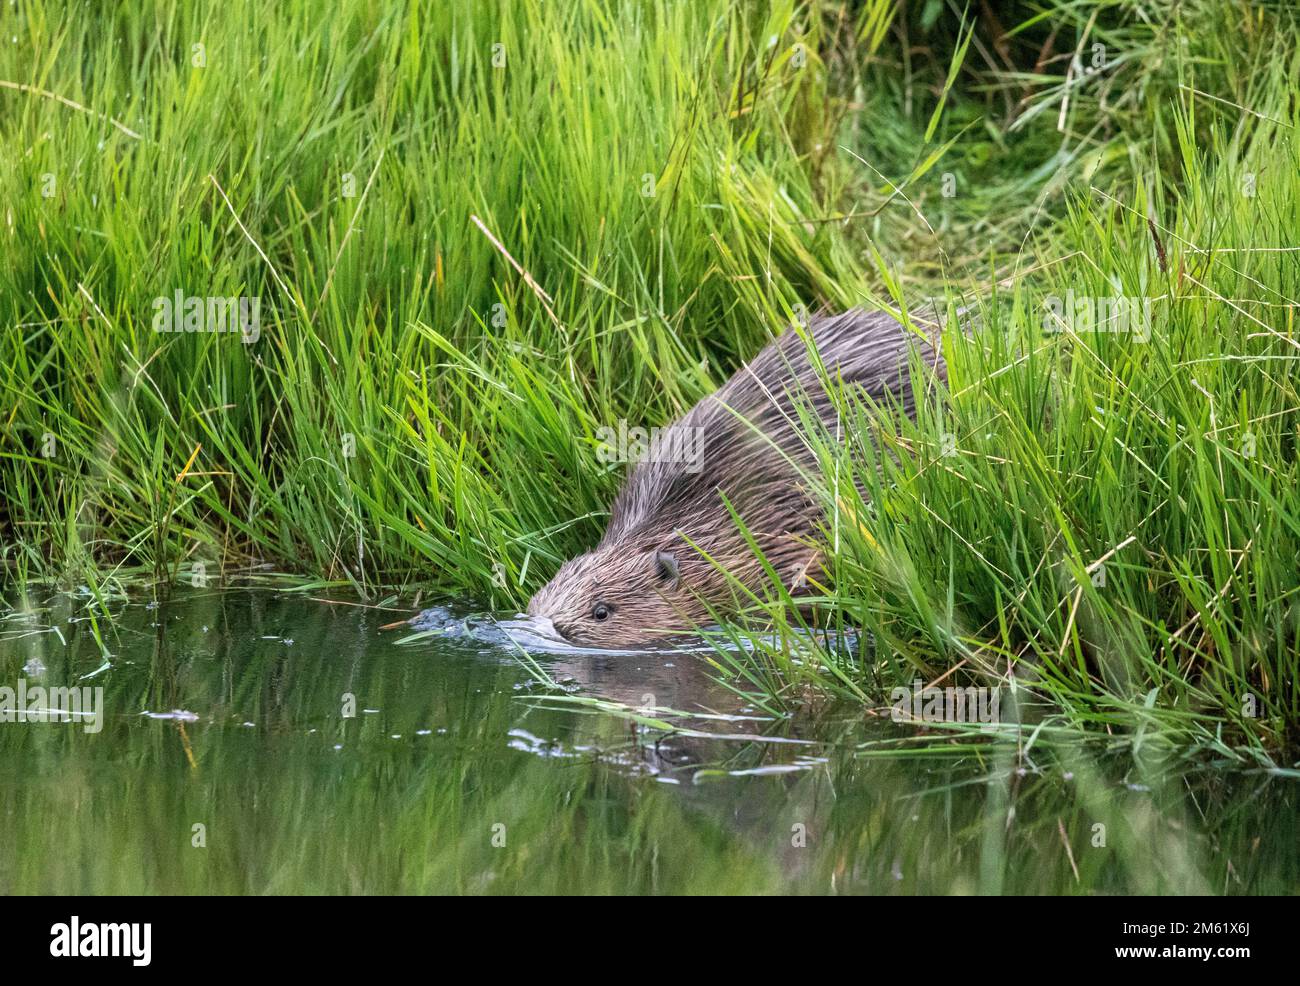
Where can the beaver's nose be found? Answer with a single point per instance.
(533, 631)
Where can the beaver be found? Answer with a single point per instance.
(671, 542)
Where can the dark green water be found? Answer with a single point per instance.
(450, 778)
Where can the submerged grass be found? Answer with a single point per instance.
(479, 234)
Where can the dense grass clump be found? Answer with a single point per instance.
(413, 409)
(477, 234)
(1108, 510)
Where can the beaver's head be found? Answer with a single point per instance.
(615, 596)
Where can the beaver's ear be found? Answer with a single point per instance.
(666, 569)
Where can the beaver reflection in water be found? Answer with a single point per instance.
(649, 575)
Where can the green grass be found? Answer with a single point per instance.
(679, 181)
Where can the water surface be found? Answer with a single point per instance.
(266, 743)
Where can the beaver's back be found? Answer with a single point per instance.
(869, 351)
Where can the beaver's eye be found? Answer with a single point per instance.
(600, 612)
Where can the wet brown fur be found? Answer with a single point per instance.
(645, 570)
